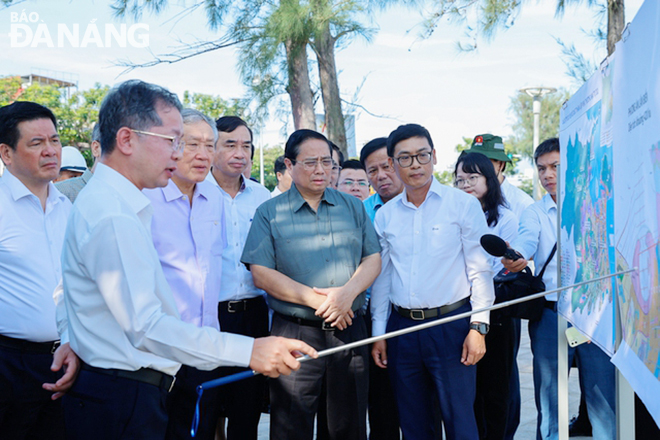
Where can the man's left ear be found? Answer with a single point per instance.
(435, 159)
(5, 154)
(123, 141)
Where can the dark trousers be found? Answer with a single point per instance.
(181, 405)
(514, 383)
(101, 407)
(26, 409)
(294, 399)
(494, 388)
(383, 414)
(426, 362)
(243, 401)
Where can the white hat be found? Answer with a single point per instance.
(73, 160)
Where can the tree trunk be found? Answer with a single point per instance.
(299, 88)
(616, 21)
(324, 44)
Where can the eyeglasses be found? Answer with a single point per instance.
(349, 182)
(310, 164)
(176, 142)
(194, 146)
(406, 160)
(472, 180)
(385, 167)
(335, 167)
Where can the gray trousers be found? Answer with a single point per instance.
(294, 399)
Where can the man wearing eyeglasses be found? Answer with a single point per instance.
(120, 315)
(353, 179)
(433, 267)
(188, 231)
(315, 252)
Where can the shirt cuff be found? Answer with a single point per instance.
(481, 317)
(378, 328)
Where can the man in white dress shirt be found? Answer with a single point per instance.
(121, 316)
(188, 230)
(242, 307)
(283, 177)
(433, 267)
(33, 217)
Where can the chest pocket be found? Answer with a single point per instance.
(294, 256)
(348, 247)
(443, 239)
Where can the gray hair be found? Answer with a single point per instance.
(191, 116)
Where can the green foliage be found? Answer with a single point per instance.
(270, 154)
(76, 115)
(527, 185)
(215, 106)
(522, 140)
(445, 177)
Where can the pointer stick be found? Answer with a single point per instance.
(249, 373)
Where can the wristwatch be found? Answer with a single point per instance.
(481, 327)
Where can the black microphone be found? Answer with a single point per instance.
(497, 247)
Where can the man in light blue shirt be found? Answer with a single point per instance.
(537, 235)
(189, 234)
(381, 175)
(383, 415)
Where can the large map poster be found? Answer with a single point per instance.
(587, 213)
(637, 202)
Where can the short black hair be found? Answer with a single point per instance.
(545, 147)
(132, 104)
(292, 147)
(352, 164)
(280, 166)
(371, 147)
(227, 124)
(404, 132)
(96, 133)
(20, 111)
(339, 153)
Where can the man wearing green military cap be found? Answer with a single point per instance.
(493, 148)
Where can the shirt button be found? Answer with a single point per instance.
(322, 238)
(327, 260)
(412, 294)
(416, 232)
(332, 282)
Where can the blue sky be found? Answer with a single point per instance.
(426, 81)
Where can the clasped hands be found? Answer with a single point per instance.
(334, 306)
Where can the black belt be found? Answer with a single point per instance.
(422, 314)
(308, 322)
(240, 305)
(552, 305)
(145, 375)
(29, 346)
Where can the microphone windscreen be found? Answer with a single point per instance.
(494, 245)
